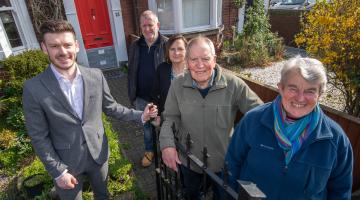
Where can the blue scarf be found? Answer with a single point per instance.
(290, 136)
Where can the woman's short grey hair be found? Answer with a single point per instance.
(310, 69)
(198, 40)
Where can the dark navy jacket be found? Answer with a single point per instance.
(161, 85)
(133, 67)
(321, 169)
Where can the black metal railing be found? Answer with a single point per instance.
(168, 181)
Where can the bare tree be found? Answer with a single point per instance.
(43, 10)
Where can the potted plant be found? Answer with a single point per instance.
(34, 185)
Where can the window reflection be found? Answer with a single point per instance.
(5, 3)
(165, 14)
(10, 28)
(196, 13)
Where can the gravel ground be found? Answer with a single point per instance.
(271, 76)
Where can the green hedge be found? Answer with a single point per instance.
(22, 67)
(19, 68)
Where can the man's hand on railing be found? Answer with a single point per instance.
(171, 158)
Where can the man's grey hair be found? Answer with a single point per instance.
(198, 40)
(148, 14)
(310, 69)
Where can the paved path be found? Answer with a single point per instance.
(131, 136)
(292, 51)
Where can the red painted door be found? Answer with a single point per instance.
(94, 23)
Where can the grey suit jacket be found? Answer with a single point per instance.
(52, 124)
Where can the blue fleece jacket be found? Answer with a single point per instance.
(321, 169)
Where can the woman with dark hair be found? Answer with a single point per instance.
(169, 70)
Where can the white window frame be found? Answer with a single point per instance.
(215, 17)
(12, 10)
(24, 26)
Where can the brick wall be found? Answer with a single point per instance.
(286, 23)
(229, 17)
(131, 10)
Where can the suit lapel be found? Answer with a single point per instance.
(87, 80)
(49, 81)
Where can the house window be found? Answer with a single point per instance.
(165, 13)
(196, 13)
(9, 24)
(182, 16)
(10, 28)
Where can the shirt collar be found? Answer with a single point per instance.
(60, 77)
(142, 41)
(210, 83)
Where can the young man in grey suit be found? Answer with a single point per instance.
(63, 108)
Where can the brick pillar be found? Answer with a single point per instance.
(131, 10)
(229, 17)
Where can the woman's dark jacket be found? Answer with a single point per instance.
(161, 85)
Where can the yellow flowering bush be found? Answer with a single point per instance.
(7, 139)
(331, 33)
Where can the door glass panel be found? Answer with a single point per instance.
(5, 3)
(10, 28)
(196, 13)
(165, 14)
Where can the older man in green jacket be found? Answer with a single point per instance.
(202, 102)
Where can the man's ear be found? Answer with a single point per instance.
(43, 48)
(187, 63)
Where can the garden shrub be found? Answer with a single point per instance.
(7, 139)
(2, 107)
(12, 150)
(22, 67)
(119, 168)
(331, 33)
(19, 68)
(8, 162)
(15, 119)
(36, 167)
(239, 3)
(256, 45)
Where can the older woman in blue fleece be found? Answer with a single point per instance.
(289, 147)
